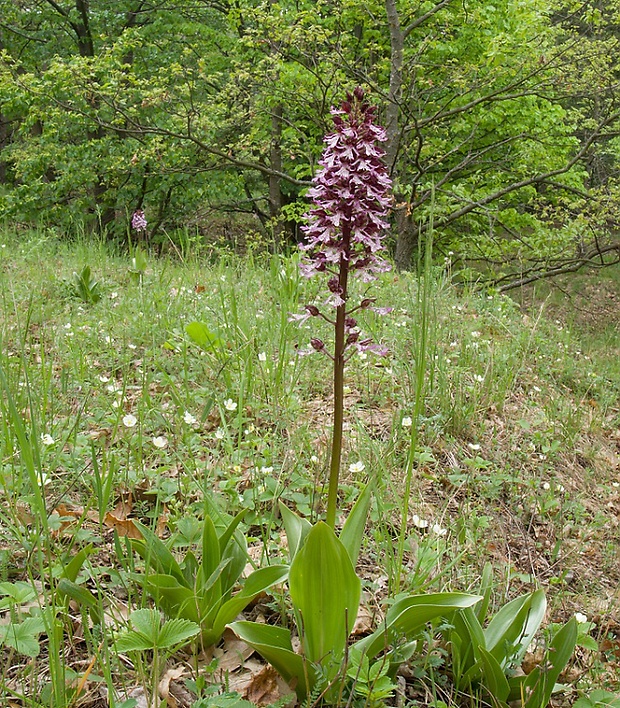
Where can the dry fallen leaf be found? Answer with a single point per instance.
(233, 654)
(363, 622)
(124, 527)
(163, 688)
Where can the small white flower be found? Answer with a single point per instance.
(104, 379)
(406, 422)
(44, 479)
(68, 325)
(580, 617)
(559, 488)
(362, 355)
(266, 470)
(113, 295)
(478, 378)
(129, 421)
(475, 334)
(47, 439)
(219, 434)
(189, 418)
(132, 346)
(439, 530)
(108, 339)
(420, 523)
(358, 466)
(314, 459)
(160, 442)
(546, 486)
(116, 404)
(230, 405)
(615, 484)
(473, 446)
(262, 356)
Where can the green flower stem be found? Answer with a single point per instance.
(338, 413)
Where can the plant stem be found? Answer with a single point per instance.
(338, 412)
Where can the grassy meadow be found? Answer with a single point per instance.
(112, 416)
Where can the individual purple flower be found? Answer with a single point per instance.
(138, 221)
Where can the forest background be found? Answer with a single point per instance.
(502, 120)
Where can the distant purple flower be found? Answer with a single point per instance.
(138, 221)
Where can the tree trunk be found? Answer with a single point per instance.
(407, 240)
(275, 190)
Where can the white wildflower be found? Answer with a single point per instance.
(129, 421)
(160, 442)
(47, 439)
(358, 466)
(230, 405)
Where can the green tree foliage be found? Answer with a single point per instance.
(501, 116)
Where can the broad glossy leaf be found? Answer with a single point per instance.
(256, 583)
(199, 333)
(73, 567)
(541, 683)
(494, 679)
(174, 599)
(512, 629)
(353, 530)
(67, 588)
(466, 650)
(274, 645)
(211, 555)
(296, 529)
(408, 616)
(325, 592)
(156, 553)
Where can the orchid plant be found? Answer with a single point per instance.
(344, 237)
(344, 234)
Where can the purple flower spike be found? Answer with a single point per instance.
(138, 221)
(350, 195)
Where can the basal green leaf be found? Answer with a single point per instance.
(256, 583)
(408, 616)
(199, 333)
(274, 645)
(156, 553)
(325, 592)
(353, 530)
(512, 629)
(296, 529)
(494, 679)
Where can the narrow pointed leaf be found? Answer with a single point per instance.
(296, 529)
(541, 683)
(494, 680)
(156, 553)
(256, 583)
(512, 629)
(353, 530)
